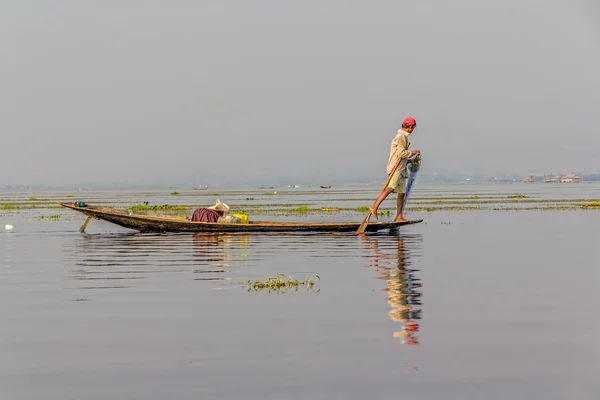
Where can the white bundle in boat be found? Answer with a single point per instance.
(225, 219)
(220, 206)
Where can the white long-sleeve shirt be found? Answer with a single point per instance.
(399, 149)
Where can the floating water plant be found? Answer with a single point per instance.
(141, 207)
(169, 207)
(300, 210)
(592, 205)
(175, 193)
(147, 207)
(518, 196)
(280, 283)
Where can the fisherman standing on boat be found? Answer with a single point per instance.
(398, 152)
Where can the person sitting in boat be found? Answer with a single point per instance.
(210, 214)
(398, 152)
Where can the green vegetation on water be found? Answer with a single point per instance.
(51, 217)
(255, 203)
(592, 205)
(147, 207)
(280, 283)
(304, 209)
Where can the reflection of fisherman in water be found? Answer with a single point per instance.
(402, 287)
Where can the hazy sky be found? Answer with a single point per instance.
(232, 91)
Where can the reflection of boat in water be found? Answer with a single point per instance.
(126, 260)
(403, 286)
(176, 223)
(218, 250)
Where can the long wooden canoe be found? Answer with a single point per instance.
(172, 223)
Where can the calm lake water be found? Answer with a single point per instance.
(466, 305)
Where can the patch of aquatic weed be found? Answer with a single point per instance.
(175, 193)
(432, 209)
(365, 209)
(500, 201)
(531, 206)
(31, 205)
(536, 208)
(280, 283)
(164, 207)
(7, 207)
(50, 217)
(518, 196)
(594, 205)
(249, 211)
(433, 198)
(303, 209)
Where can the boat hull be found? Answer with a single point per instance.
(168, 223)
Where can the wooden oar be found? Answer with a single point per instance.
(363, 225)
(85, 224)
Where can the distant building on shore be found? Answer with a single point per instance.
(552, 179)
(568, 178)
(529, 179)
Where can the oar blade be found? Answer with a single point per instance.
(363, 226)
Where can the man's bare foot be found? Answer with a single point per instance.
(400, 219)
(373, 211)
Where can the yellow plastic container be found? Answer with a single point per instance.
(243, 218)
